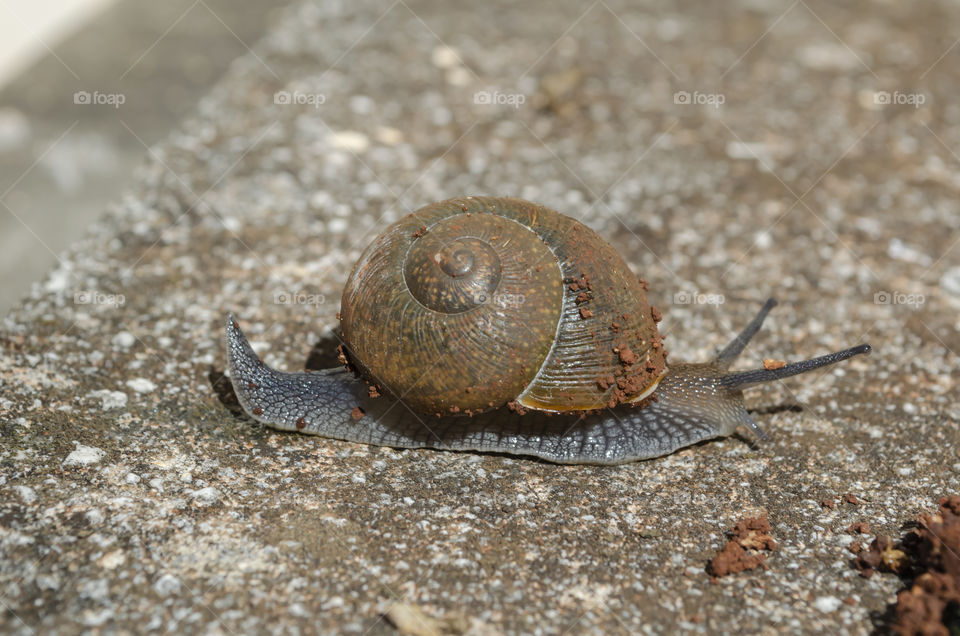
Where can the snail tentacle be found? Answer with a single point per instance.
(738, 344)
(709, 393)
(744, 379)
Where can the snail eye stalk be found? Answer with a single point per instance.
(732, 350)
(743, 379)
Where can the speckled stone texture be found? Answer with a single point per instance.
(731, 152)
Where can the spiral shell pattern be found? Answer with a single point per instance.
(470, 304)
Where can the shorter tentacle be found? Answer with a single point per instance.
(749, 422)
(737, 345)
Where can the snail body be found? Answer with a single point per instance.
(496, 324)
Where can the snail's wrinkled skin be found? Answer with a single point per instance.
(693, 402)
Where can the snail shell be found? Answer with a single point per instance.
(470, 304)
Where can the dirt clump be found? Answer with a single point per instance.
(746, 550)
(928, 558)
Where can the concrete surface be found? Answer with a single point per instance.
(136, 500)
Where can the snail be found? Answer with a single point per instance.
(500, 325)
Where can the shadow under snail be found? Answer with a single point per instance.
(499, 325)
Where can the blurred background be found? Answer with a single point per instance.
(805, 149)
(85, 87)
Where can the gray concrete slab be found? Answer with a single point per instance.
(76, 124)
(135, 500)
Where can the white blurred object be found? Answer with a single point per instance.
(14, 129)
(29, 28)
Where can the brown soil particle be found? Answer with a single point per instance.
(606, 382)
(356, 413)
(851, 499)
(655, 314)
(770, 364)
(860, 527)
(829, 503)
(630, 385)
(635, 373)
(754, 533)
(585, 313)
(627, 356)
(301, 423)
(516, 407)
(744, 550)
(373, 391)
(733, 559)
(932, 604)
(929, 557)
(343, 358)
(576, 284)
(420, 232)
